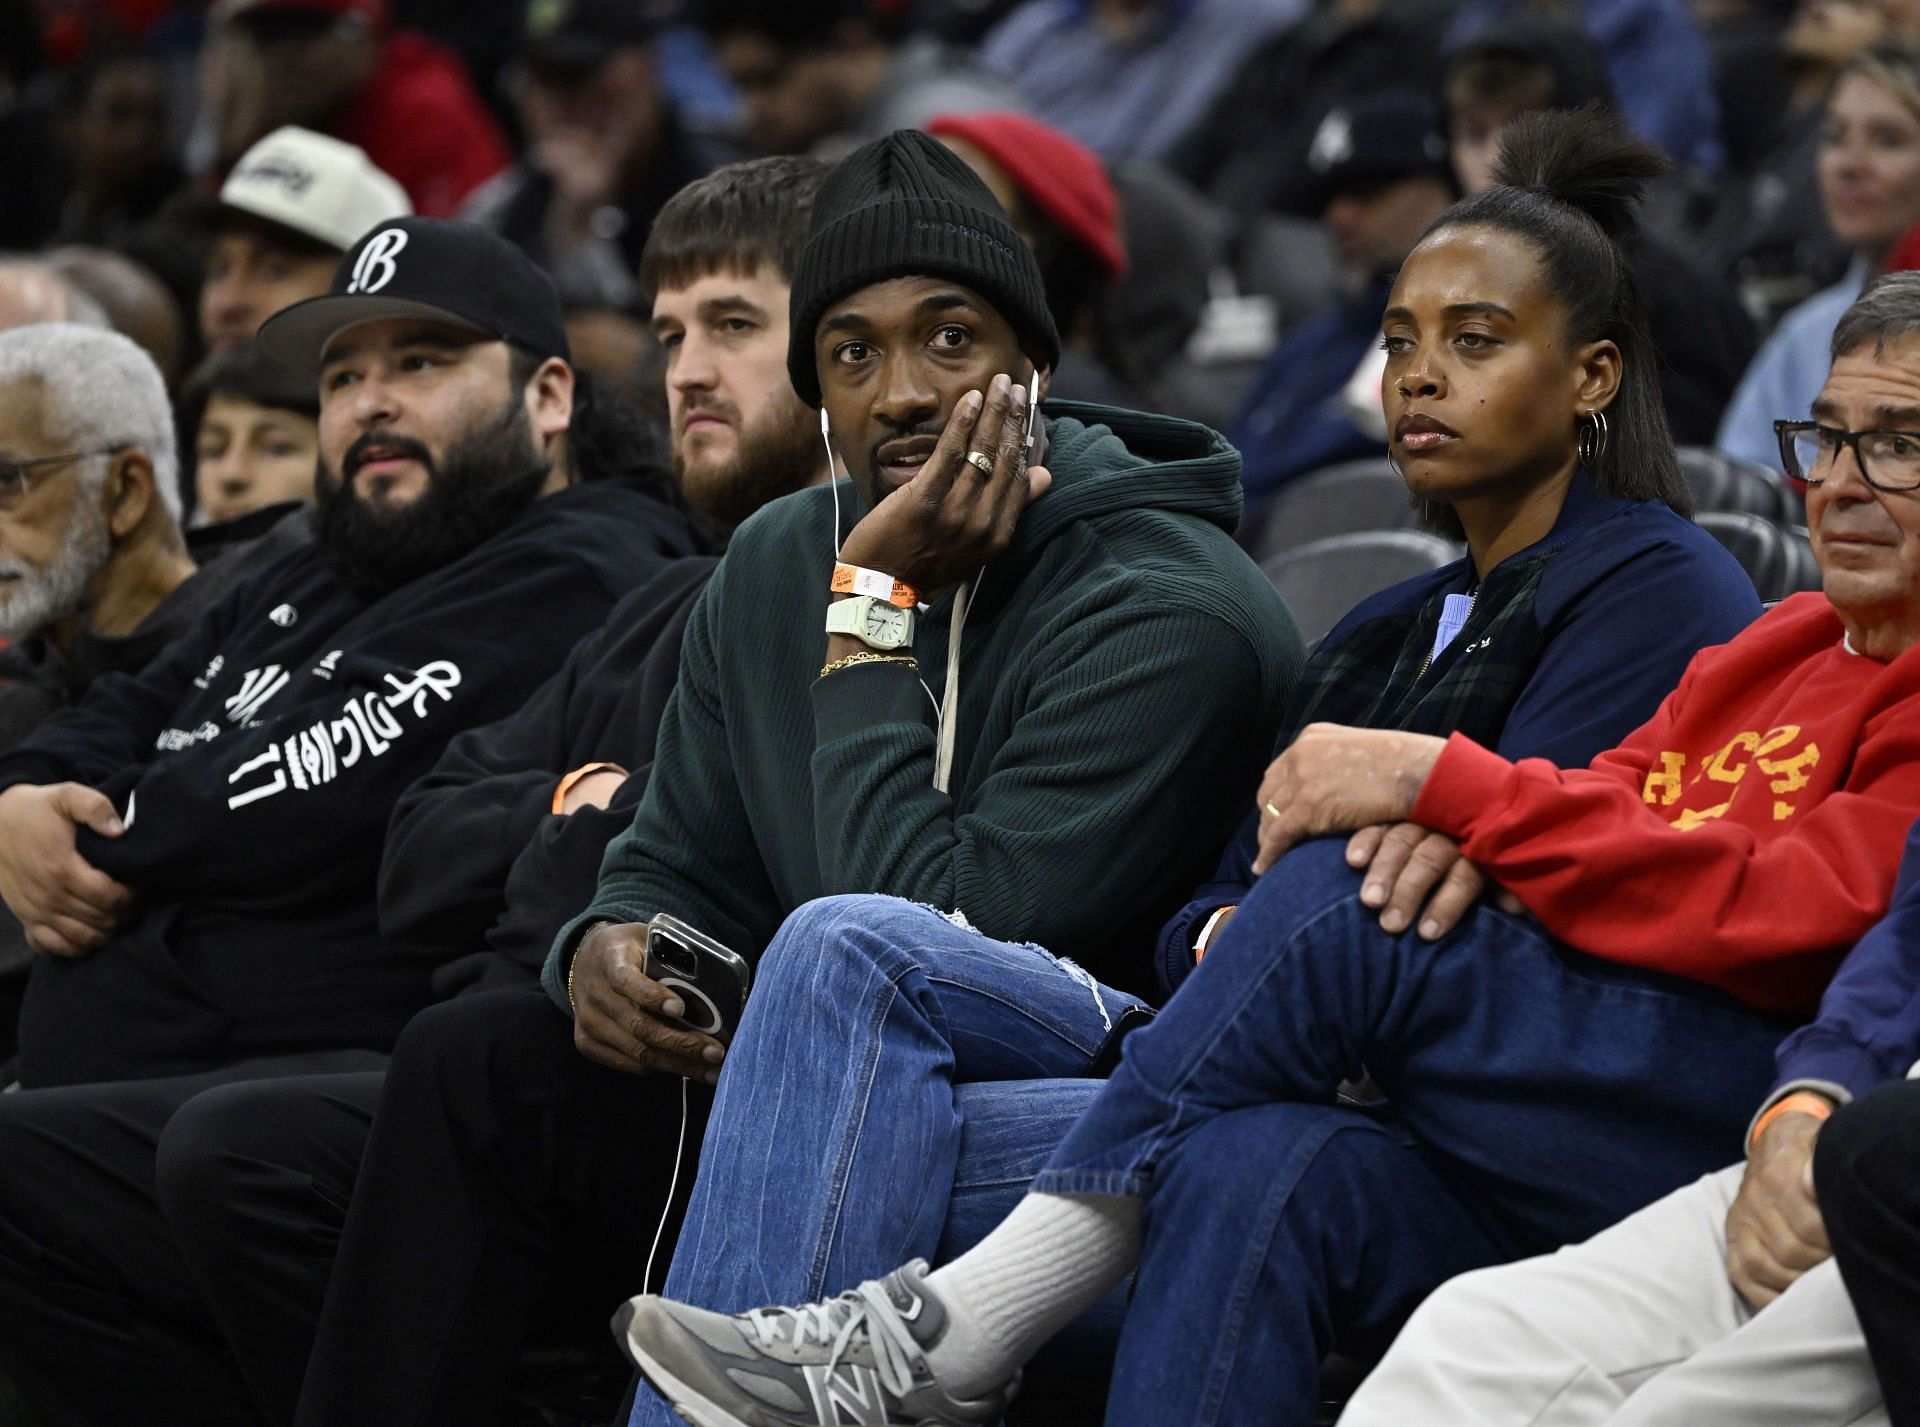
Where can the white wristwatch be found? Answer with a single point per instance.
(875, 623)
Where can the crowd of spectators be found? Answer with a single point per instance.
(648, 675)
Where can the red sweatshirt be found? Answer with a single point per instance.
(420, 121)
(1745, 836)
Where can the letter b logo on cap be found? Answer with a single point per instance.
(374, 268)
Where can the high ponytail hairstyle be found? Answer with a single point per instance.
(1568, 182)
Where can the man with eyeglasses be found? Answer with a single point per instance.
(96, 576)
(1719, 1305)
(91, 552)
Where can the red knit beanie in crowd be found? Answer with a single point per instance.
(1059, 176)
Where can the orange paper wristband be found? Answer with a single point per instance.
(852, 580)
(1803, 1102)
(566, 783)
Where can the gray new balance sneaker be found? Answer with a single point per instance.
(858, 1360)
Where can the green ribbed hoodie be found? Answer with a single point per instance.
(1123, 670)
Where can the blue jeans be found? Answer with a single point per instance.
(896, 1081)
(1537, 1096)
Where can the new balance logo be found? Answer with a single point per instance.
(851, 1396)
(375, 268)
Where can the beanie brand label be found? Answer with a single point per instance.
(961, 230)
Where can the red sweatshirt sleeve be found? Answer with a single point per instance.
(1764, 920)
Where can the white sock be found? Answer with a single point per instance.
(1050, 1260)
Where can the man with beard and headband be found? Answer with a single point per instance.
(1113, 696)
(194, 850)
(490, 853)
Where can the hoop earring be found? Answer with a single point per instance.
(1590, 441)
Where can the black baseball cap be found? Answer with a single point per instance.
(432, 268)
(1373, 140)
(579, 34)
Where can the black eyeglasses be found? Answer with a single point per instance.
(1888, 460)
(16, 480)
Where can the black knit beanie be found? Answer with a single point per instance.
(906, 206)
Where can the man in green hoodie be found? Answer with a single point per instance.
(1042, 706)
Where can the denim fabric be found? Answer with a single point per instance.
(1555, 1092)
(1320, 1229)
(841, 1142)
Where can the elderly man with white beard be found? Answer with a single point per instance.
(90, 542)
(95, 573)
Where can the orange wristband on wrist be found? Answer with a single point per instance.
(566, 784)
(1801, 1102)
(853, 580)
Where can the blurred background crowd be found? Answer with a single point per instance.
(1217, 190)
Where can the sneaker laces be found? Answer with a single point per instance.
(835, 1323)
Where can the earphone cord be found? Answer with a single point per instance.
(673, 1185)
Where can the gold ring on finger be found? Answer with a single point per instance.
(981, 462)
(1272, 809)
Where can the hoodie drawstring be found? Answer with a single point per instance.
(950, 702)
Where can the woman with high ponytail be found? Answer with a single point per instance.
(1558, 220)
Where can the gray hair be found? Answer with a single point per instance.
(101, 390)
(36, 291)
(1887, 310)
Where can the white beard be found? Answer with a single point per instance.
(45, 596)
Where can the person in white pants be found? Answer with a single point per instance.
(1638, 1326)
(1717, 1306)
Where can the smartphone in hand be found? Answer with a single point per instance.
(710, 979)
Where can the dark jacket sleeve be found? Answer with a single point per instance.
(451, 869)
(1868, 1029)
(690, 847)
(326, 772)
(1232, 880)
(553, 877)
(113, 729)
(455, 832)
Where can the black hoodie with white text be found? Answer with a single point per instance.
(255, 763)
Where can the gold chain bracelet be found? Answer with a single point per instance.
(867, 656)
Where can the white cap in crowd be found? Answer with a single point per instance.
(318, 186)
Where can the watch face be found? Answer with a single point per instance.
(886, 622)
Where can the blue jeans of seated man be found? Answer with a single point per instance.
(1544, 1092)
(878, 1104)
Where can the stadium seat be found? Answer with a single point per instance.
(1321, 581)
(1804, 573)
(1338, 500)
(1719, 482)
(1777, 558)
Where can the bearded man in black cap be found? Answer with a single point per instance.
(194, 850)
(1083, 710)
